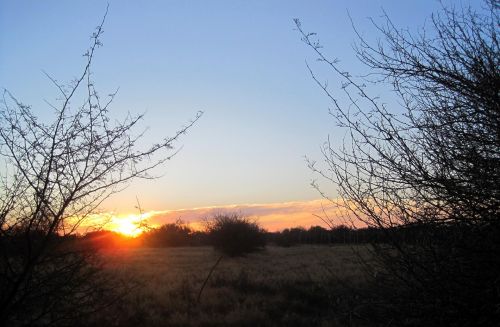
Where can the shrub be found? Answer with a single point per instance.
(169, 235)
(425, 170)
(235, 235)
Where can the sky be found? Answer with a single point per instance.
(240, 62)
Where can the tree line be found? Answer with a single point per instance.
(180, 234)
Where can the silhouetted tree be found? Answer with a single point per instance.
(433, 170)
(53, 176)
(235, 235)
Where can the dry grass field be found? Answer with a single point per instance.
(295, 286)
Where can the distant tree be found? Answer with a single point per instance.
(432, 172)
(284, 238)
(174, 234)
(318, 234)
(53, 176)
(235, 235)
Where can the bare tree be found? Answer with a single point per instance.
(55, 175)
(429, 169)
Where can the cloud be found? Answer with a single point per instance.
(272, 216)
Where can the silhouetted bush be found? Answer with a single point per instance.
(174, 234)
(424, 170)
(57, 168)
(235, 235)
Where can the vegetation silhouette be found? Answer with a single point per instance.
(169, 235)
(235, 235)
(433, 170)
(56, 175)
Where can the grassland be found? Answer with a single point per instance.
(296, 286)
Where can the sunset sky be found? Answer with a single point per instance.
(241, 62)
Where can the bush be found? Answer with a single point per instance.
(235, 235)
(425, 170)
(169, 235)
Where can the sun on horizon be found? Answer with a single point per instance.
(128, 225)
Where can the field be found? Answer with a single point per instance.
(295, 286)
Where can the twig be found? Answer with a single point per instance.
(208, 277)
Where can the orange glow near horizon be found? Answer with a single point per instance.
(271, 216)
(126, 225)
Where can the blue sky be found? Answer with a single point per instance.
(241, 62)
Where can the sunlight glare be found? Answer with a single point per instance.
(128, 225)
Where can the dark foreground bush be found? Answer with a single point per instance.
(235, 235)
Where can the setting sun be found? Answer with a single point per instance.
(129, 225)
